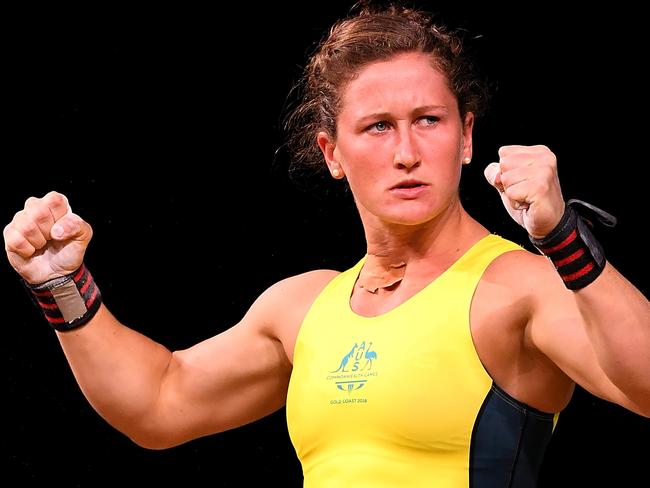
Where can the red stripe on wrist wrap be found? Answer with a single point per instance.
(576, 254)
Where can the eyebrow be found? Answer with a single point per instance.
(417, 111)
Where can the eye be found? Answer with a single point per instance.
(429, 120)
(381, 126)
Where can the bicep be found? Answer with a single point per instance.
(239, 375)
(231, 379)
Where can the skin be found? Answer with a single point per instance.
(534, 336)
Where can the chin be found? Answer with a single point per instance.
(410, 218)
(410, 214)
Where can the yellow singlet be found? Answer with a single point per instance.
(402, 399)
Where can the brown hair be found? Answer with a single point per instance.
(374, 33)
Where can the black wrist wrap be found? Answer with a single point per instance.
(576, 254)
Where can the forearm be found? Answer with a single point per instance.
(119, 370)
(617, 316)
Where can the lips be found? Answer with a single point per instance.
(408, 184)
(409, 189)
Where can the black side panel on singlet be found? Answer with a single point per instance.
(508, 443)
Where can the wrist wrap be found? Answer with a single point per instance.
(575, 252)
(69, 301)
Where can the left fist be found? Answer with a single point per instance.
(526, 177)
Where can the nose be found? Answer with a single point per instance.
(406, 155)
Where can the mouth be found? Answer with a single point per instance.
(408, 185)
(409, 189)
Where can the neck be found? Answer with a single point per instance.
(407, 243)
(396, 251)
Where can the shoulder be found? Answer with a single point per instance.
(523, 270)
(281, 309)
(303, 286)
(527, 283)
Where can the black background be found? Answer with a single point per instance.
(162, 126)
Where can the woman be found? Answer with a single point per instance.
(441, 357)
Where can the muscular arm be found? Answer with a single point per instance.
(156, 397)
(599, 336)
(617, 319)
(161, 399)
(119, 370)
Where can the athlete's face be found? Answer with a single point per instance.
(400, 140)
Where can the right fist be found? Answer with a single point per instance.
(46, 240)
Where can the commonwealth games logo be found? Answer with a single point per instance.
(355, 368)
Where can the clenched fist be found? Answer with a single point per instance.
(46, 240)
(526, 177)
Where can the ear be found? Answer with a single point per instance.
(468, 126)
(328, 148)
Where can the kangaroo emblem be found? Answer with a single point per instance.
(346, 359)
